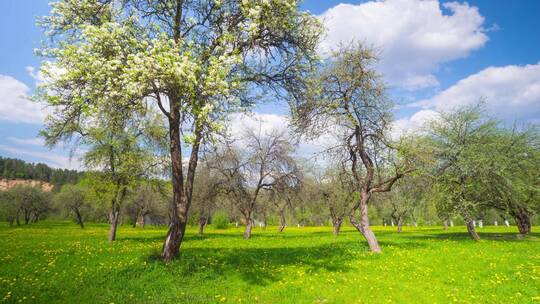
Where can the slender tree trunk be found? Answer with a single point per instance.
(445, 223)
(134, 220)
(249, 227)
(363, 225)
(523, 221)
(114, 215)
(337, 225)
(17, 217)
(34, 217)
(202, 224)
(399, 225)
(282, 221)
(79, 219)
(472, 230)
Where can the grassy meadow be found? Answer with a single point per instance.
(57, 262)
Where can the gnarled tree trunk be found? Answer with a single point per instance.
(363, 225)
(177, 227)
(472, 230)
(523, 221)
(79, 219)
(181, 197)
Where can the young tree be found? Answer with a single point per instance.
(283, 194)
(73, 199)
(146, 201)
(188, 57)
(208, 187)
(405, 199)
(32, 203)
(339, 193)
(264, 161)
(8, 207)
(121, 141)
(459, 139)
(350, 97)
(508, 173)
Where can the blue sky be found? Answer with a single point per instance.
(434, 55)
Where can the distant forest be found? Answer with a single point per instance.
(12, 168)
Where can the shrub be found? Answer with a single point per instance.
(221, 220)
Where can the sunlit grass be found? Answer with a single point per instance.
(53, 262)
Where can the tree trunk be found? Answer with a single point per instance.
(26, 217)
(177, 227)
(79, 219)
(472, 231)
(113, 220)
(249, 227)
(202, 223)
(523, 221)
(399, 225)
(282, 221)
(181, 196)
(114, 215)
(134, 220)
(363, 225)
(337, 225)
(445, 223)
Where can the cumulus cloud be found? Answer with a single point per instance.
(413, 124)
(266, 123)
(510, 92)
(414, 36)
(15, 105)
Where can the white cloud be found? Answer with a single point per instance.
(414, 36)
(267, 123)
(412, 124)
(510, 92)
(53, 159)
(15, 105)
(257, 121)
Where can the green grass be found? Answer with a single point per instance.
(54, 262)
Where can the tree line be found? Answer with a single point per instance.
(468, 169)
(12, 168)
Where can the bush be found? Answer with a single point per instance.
(221, 220)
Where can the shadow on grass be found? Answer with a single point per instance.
(492, 236)
(258, 266)
(264, 265)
